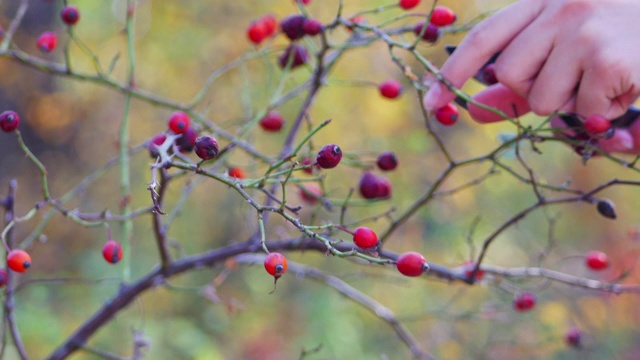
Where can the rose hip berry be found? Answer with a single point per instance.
(412, 264)
(275, 264)
(257, 31)
(293, 26)
(488, 74)
(311, 193)
(365, 238)
(524, 302)
(272, 122)
(156, 141)
(187, 141)
(329, 156)
(47, 41)
(373, 186)
(358, 19)
(270, 23)
(310, 165)
(236, 172)
(295, 54)
(70, 15)
(390, 89)
(442, 16)
(18, 260)
(311, 27)
(303, 2)
(597, 124)
(112, 251)
(409, 4)
(573, 337)
(447, 115)
(431, 33)
(387, 160)
(206, 147)
(596, 260)
(9, 121)
(179, 122)
(3, 277)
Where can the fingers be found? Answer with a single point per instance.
(501, 98)
(621, 142)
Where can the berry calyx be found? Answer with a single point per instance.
(390, 89)
(293, 26)
(179, 122)
(275, 264)
(70, 15)
(3, 277)
(112, 251)
(272, 122)
(524, 302)
(573, 337)
(412, 264)
(329, 156)
(597, 124)
(409, 4)
(430, 34)
(294, 54)
(187, 141)
(18, 260)
(47, 41)
(387, 160)
(257, 31)
(442, 16)
(365, 238)
(310, 193)
(447, 115)
(236, 172)
(206, 147)
(9, 121)
(596, 260)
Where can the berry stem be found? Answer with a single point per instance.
(38, 163)
(15, 24)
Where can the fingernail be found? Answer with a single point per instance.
(431, 98)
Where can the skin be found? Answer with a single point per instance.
(579, 56)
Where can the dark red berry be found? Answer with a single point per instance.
(257, 31)
(311, 27)
(329, 156)
(3, 277)
(309, 165)
(47, 41)
(273, 121)
(373, 186)
(447, 115)
(468, 267)
(311, 193)
(156, 141)
(390, 89)
(384, 188)
(387, 160)
(524, 302)
(70, 15)
(596, 260)
(597, 124)
(442, 16)
(187, 141)
(431, 33)
(275, 264)
(295, 55)
(488, 74)
(237, 173)
(206, 147)
(293, 26)
(573, 337)
(365, 238)
(409, 4)
(9, 121)
(18, 260)
(112, 251)
(179, 122)
(412, 264)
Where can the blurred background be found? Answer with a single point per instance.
(227, 312)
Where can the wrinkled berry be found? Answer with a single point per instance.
(206, 147)
(295, 54)
(293, 26)
(329, 156)
(187, 141)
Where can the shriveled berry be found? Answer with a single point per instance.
(206, 147)
(179, 122)
(573, 337)
(293, 26)
(70, 15)
(9, 121)
(18, 260)
(47, 41)
(390, 89)
(387, 160)
(606, 208)
(275, 264)
(447, 115)
(329, 156)
(409, 4)
(273, 121)
(3, 277)
(187, 141)
(236, 172)
(365, 238)
(431, 33)
(257, 31)
(597, 124)
(488, 74)
(596, 260)
(442, 16)
(310, 193)
(311, 27)
(524, 302)
(295, 54)
(412, 264)
(112, 251)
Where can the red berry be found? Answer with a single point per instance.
(295, 54)
(270, 23)
(47, 41)
(365, 238)
(409, 4)
(70, 15)
(387, 161)
(329, 156)
(442, 16)
(257, 31)
(412, 264)
(179, 122)
(597, 124)
(9, 121)
(311, 27)
(187, 141)
(573, 337)
(596, 260)
(358, 19)
(384, 188)
(275, 264)
(390, 89)
(112, 251)
(488, 74)
(524, 302)
(3, 277)
(206, 147)
(431, 33)
(373, 186)
(156, 141)
(293, 26)
(468, 266)
(272, 121)
(18, 260)
(236, 172)
(310, 165)
(311, 193)
(447, 115)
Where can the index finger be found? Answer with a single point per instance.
(484, 40)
